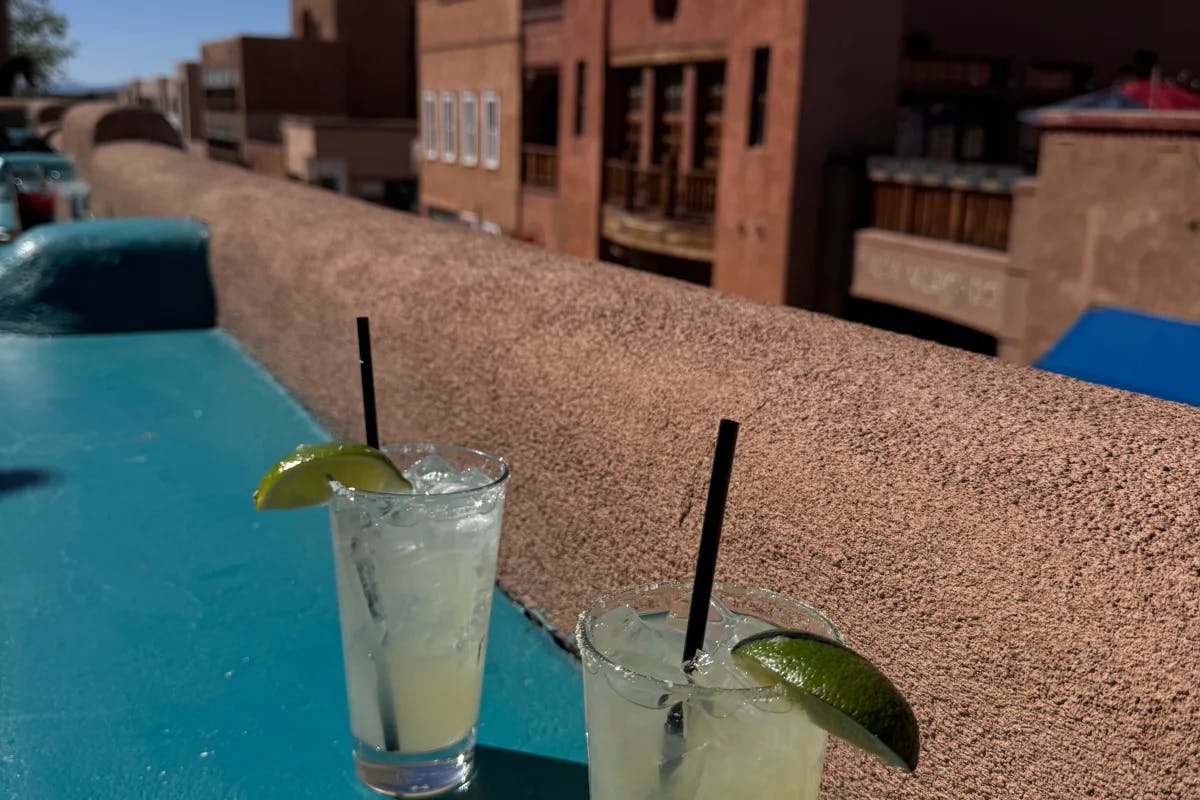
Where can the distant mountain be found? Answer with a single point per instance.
(75, 87)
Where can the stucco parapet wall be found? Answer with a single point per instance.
(1132, 121)
(88, 125)
(46, 112)
(1018, 550)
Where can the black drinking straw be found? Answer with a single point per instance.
(368, 381)
(702, 583)
(710, 539)
(387, 706)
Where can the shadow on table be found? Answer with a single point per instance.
(512, 775)
(12, 480)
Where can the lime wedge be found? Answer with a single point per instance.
(301, 478)
(843, 692)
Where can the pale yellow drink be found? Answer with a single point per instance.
(737, 740)
(415, 574)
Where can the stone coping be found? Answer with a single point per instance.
(1186, 122)
(87, 125)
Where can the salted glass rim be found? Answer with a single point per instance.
(583, 637)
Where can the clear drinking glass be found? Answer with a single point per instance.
(653, 732)
(415, 573)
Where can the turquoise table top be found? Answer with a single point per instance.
(160, 639)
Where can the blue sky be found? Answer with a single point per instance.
(123, 39)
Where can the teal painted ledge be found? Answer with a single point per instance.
(104, 276)
(158, 637)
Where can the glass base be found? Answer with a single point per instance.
(416, 774)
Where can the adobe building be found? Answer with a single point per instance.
(726, 143)
(332, 104)
(1109, 219)
(189, 76)
(992, 234)
(600, 128)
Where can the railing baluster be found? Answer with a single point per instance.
(539, 166)
(661, 190)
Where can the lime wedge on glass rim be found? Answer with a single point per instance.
(842, 691)
(301, 478)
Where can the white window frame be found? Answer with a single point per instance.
(449, 128)
(429, 124)
(491, 133)
(468, 128)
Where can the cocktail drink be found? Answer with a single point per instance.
(712, 732)
(415, 570)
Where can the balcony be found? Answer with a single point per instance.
(966, 203)
(939, 244)
(659, 210)
(661, 192)
(539, 167)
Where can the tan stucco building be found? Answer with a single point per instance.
(1109, 218)
(331, 105)
(726, 143)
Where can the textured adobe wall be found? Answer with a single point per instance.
(1116, 223)
(1017, 549)
(87, 125)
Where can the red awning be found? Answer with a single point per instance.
(1161, 95)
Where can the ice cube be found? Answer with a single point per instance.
(428, 471)
(474, 478)
(719, 612)
(433, 474)
(720, 622)
(630, 642)
(745, 627)
(716, 671)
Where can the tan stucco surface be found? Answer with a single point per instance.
(1115, 224)
(88, 125)
(1018, 550)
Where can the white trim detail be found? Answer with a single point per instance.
(449, 129)
(468, 118)
(429, 124)
(491, 129)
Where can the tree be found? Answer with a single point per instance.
(40, 32)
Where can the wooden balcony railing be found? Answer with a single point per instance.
(698, 193)
(661, 190)
(539, 166)
(967, 203)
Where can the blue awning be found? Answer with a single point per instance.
(1130, 350)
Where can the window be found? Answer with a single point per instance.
(666, 10)
(491, 130)
(469, 119)
(580, 88)
(429, 124)
(449, 131)
(220, 78)
(756, 131)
